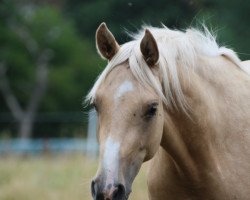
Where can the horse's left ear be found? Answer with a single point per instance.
(105, 42)
(149, 49)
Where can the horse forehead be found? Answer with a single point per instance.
(119, 81)
(123, 88)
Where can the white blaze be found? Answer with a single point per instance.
(125, 87)
(111, 159)
(111, 149)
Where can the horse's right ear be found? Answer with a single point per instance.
(105, 42)
(149, 49)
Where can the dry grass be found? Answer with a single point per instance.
(54, 178)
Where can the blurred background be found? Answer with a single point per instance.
(48, 63)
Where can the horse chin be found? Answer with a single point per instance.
(127, 195)
(128, 192)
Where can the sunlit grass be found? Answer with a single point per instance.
(50, 178)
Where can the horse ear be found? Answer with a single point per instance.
(105, 42)
(149, 48)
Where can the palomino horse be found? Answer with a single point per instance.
(182, 101)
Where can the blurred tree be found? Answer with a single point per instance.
(35, 36)
(41, 51)
(130, 14)
(230, 18)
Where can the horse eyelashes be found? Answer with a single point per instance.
(93, 105)
(151, 111)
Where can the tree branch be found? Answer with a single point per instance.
(29, 42)
(8, 94)
(41, 81)
(41, 60)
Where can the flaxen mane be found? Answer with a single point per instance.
(185, 46)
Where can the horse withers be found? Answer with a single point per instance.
(179, 100)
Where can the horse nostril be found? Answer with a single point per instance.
(93, 192)
(119, 192)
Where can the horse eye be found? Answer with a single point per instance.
(151, 111)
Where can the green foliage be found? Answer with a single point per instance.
(230, 18)
(73, 66)
(130, 14)
(68, 31)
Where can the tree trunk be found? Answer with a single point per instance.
(25, 127)
(25, 117)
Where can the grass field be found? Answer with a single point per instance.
(51, 178)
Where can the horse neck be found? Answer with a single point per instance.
(192, 140)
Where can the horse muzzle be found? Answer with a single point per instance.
(114, 191)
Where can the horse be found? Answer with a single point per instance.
(180, 101)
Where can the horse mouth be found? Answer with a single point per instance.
(126, 197)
